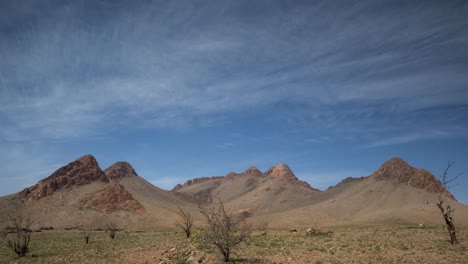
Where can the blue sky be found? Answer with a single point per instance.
(185, 89)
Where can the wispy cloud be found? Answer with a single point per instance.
(405, 138)
(361, 68)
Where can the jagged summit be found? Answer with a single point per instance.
(120, 169)
(88, 159)
(82, 171)
(195, 181)
(253, 171)
(399, 170)
(280, 171)
(395, 168)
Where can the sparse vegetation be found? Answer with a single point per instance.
(447, 211)
(185, 222)
(18, 235)
(111, 229)
(224, 231)
(349, 244)
(86, 235)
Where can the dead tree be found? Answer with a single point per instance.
(185, 222)
(224, 231)
(447, 211)
(18, 235)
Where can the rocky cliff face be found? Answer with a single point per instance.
(82, 171)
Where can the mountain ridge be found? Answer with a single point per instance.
(119, 193)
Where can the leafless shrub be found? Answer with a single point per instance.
(111, 229)
(447, 211)
(18, 235)
(224, 231)
(86, 235)
(185, 222)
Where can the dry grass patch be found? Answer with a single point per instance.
(356, 244)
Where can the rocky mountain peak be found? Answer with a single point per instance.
(280, 171)
(120, 170)
(88, 160)
(83, 170)
(231, 174)
(253, 171)
(397, 169)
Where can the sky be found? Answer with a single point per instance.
(184, 89)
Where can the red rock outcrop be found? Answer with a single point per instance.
(253, 172)
(195, 181)
(348, 180)
(282, 171)
(250, 172)
(112, 198)
(120, 170)
(398, 170)
(83, 170)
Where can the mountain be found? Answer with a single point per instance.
(397, 169)
(119, 170)
(82, 171)
(80, 194)
(251, 192)
(395, 193)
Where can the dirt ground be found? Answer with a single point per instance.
(350, 244)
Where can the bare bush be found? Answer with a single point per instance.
(185, 222)
(224, 231)
(18, 235)
(111, 229)
(86, 236)
(447, 211)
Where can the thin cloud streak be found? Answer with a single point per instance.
(146, 65)
(362, 70)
